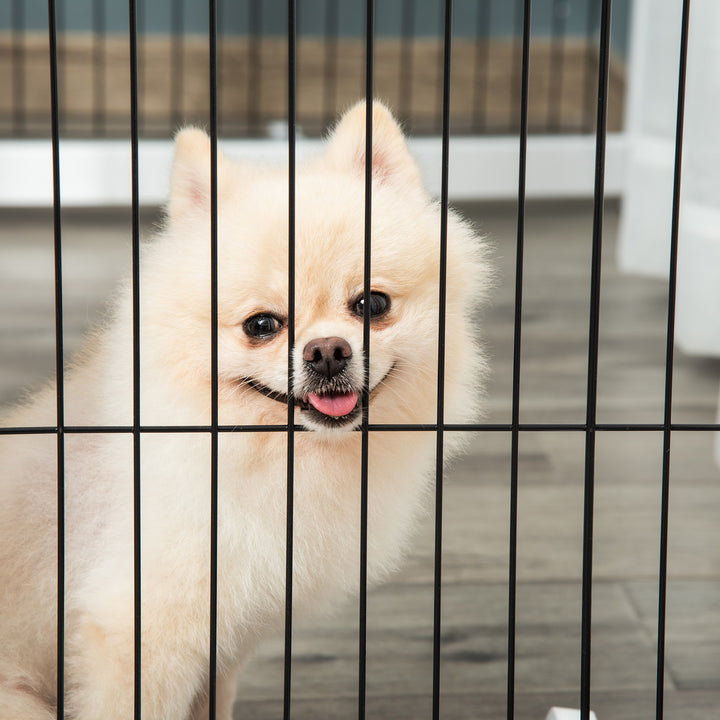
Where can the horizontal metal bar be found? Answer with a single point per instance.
(373, 427)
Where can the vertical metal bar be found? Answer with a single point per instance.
(289, 544)
(61, 50)
(137, 536)
(59, 362)
(214, 435)
(438, 120)
(669, 356)
(365, 440)
(517, 346)
(593, 346)
(442, 302)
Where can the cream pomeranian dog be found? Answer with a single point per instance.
(175, 346)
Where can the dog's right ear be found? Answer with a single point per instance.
(391, 160)
(190, 178)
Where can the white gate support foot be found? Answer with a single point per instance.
(557, 713)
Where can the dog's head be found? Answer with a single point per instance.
(328, 382)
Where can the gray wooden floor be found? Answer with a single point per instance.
(476, 527)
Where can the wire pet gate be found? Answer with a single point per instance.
(515, 428)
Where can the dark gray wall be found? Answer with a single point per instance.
(155, 16)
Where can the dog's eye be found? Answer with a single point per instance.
(379, 305)
(262, 326)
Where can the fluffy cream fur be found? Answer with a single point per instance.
(175, 389)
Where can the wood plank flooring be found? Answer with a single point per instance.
(476, 528)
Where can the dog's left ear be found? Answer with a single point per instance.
(190, 178)
(391, 159)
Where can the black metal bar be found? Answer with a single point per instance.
(372, 427)
(59, 360)
(437, 119)
(442, 306)
(135, 205)
(61, 52)
(214, 435)
(669, 356)
(219, 59)
(517, 346)
(289, 544)
(593, 347)
(365, 441)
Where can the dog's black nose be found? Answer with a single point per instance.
(327, 356)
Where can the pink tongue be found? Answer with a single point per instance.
(334, 405)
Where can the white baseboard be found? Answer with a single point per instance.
(96, 173)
